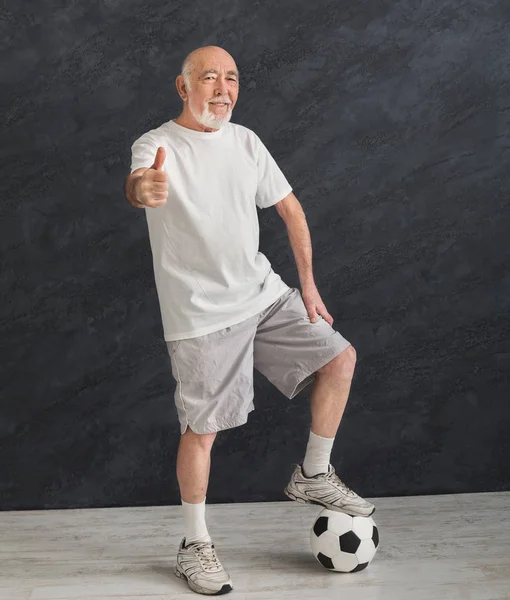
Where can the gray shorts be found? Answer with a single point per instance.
(214, 372)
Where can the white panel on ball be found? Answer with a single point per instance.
(366, 551)
(363, 527)
(339, 523)
(345, 562)
(328, 544)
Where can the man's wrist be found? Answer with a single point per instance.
(307, 281)
(134, 193)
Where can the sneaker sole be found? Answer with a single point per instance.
(302, 500)
(200, 590)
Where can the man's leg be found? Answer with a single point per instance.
(329, 398)
(316, 481)
(193, 468)
(197, 561)
(331, 392)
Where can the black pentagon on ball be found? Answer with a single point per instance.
(325, 561)
(375, 536)
(349, 542)
(321, 525)
(360, 567)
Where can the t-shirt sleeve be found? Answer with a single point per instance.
(272, 183)
(143, 153)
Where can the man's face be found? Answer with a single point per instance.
(214, 90)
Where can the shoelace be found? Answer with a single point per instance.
(208, 556)
(333, 477)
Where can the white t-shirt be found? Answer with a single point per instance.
(209, 273)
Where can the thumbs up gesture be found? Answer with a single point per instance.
(152, 186)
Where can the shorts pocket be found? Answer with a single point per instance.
(172, 347)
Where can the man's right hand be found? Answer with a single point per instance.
(151, 188)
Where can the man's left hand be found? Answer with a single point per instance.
(314, 304)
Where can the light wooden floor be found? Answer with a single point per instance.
(432, 548)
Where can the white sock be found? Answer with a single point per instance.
(318, 454)
(195, 529)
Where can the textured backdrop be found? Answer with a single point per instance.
(391, 120)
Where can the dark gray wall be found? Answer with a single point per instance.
(390, 118)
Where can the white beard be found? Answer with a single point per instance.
(208, 119)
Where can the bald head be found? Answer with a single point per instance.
(201, 58)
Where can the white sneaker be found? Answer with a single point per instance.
(198, 564)
(328, 490)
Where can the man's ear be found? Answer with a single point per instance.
(181, 87)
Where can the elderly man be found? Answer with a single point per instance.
(225, 311)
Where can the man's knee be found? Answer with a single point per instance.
(204, 440)
(349, 356)
(342, 366)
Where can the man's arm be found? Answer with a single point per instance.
(291, 212)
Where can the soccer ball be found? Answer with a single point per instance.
(344, 543)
